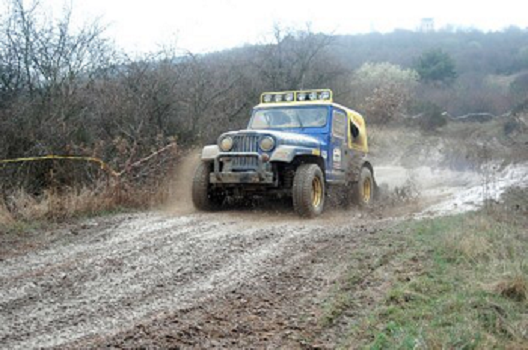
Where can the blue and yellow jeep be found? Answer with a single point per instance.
(298, 144)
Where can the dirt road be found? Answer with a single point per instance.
(236, 278)
(109, 276)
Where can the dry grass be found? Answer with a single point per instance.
(54, 205)
(470, 246)
(5, 216)
(145, 187)
(515, 288)
(469, 242)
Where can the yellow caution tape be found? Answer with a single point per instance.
(101, 163)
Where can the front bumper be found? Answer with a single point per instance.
(259, 176)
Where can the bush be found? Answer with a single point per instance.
(436, 66)
(382, 90)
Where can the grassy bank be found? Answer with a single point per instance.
(450, 282)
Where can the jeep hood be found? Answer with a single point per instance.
(281, 137)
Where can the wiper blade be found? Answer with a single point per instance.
(299, 120)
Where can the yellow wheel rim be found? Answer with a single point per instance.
(367, 190)
(317, 192)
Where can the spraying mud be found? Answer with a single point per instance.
(444, 191)
(179, 202)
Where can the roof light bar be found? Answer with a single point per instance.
(297, 96)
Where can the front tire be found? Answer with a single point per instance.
(308, 190)
(203, 196)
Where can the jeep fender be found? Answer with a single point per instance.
(210, 152)
(367, 164)
(287, 154)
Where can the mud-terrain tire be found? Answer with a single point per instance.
(203, 197)
(364, 191)
(308, 190)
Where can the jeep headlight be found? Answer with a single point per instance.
(226, 144)
(267, 143)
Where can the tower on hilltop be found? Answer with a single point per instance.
(427, 25)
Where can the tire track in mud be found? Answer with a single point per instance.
(277, 307)
(104, 280)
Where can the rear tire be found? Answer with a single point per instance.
(308, 190)
(364, 190)
(203, 196)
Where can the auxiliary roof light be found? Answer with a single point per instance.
(278, 98)
(313, 96)
(289, 97)
(325, 95)
(301, 96)
(267, 98)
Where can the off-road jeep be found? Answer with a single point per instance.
(298, 144)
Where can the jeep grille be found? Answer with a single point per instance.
(245, 143)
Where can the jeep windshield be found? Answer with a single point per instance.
(289, 117)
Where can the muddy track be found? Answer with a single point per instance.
(234, 279)
(112, 275)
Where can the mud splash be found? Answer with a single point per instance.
(180, 202)
(469, 192)
(445, 191)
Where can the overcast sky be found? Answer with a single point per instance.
(207, 25)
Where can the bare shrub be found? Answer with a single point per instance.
(383, 90)
(427, 116)
(295, 59)
(142, 184)
(473, 93)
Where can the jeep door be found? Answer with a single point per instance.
(339, 144)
